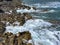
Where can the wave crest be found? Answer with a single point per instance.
(48, 5)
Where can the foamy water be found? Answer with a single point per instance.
(47, 5)
(40, 32)
(32, 10)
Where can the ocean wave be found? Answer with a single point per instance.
(40, 33)
(36, 11)
(47, 5)
(30, 24)
(38, 5)
(25, 10)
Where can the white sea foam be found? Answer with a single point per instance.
(36, 11)
(40, 36)
(38, 5)
(25, 10)
(47, 5)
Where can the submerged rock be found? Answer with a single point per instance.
(27, 16)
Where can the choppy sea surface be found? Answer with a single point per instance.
(45, 27)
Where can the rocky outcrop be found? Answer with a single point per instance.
(14, 19)
(9, 17)
(22, 38)
(27, 16)
(12, 5)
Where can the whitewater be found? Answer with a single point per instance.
(40, 31)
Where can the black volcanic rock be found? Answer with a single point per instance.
(27, 16)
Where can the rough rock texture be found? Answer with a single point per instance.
(2, 28)
(21, 38)
(12, 18)
(7, 6)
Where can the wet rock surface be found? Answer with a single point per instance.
(18, 18)
(21, 38)
(13, 6)
(2, 28)
(9, 17)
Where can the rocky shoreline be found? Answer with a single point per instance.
(9, 17)
(13, 20)
(22, 38)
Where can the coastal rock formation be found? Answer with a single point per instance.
(27, 16)
(22, 38)
(10, 6)
(9, 17)
(15, 18)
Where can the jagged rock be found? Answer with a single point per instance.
(8, 16)
(25, 7)
(27, 16)
(15, 19)
(15, 39)
(34, 8)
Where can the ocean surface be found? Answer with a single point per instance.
(45, 27)
(46, 4)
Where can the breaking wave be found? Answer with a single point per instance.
(47, 5)
(25, 10)
(40, 32)
(36, 11)
(38, 5)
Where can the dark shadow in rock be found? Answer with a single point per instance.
(2, 28)
(8, 0)
(1, 11)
